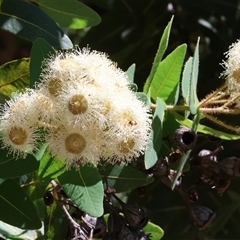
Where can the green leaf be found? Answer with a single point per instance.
(50, 167)
(133, 87)
(144, 98)
(17, 208)
(186, 79)
(160, 52)
(85, 188)
(154, 230)
(154, 145)
(167, 75)
(28, 21)
(14, 76)
(41, 50)
(205, 129)
(193, 99)
(56, 224)
(130, 72)
(11, 168)
(186, 83)
(125, 178)
(71, 14)
(11, 232)
(182, 162)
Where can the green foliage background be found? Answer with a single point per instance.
(129, 32)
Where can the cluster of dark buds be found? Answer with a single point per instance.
(201, 215)
(216, 174)
(125, 222)
(84, 227)
(185, 139)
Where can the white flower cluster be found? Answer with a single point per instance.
(232, 69)
(82, 108)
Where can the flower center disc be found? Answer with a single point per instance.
(75, 143)
(77, 104)
(54, 87)
(126, 146)
(18, 135)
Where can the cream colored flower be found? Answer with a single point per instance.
(75, 145)
(82, 104)
(232, 68)
(18, 123)
(129, 129)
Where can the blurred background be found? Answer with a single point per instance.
(130, 32)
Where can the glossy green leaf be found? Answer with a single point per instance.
(130, 72)
(15, 202)
(85, 188)
(71, 14)
(50, 167)
(168, 74)
(28, 21)
(154, 230)
(160, 52)
(41, 50)
(14, 76)
(206, 130)
(125, 178)
(193, 99)
(154, 145)
(10, 167)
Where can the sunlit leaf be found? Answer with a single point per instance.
(160, 52)
(154, 145)
(186, 80)
(167, 75)
(41, 50)
(85, 188)
(14, 76)
(11, 232)
(193, 99)
(15, 202)
(71, 14)
(154, 230)
(28, 21)
(50, 167)
(124, 178)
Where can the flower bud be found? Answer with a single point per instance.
(185, 138)
(100, 228)
(127, 233)
(231, 166)
(135, 217)
(48, 198)
(160, 168)
(202, 216)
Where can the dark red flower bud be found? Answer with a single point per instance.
(185, 138)
(48, 198)
(202, 216)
